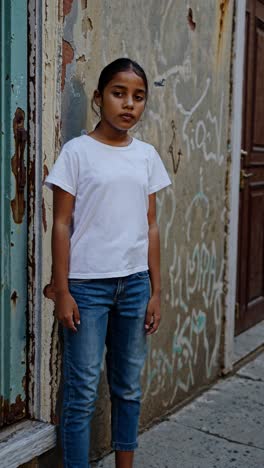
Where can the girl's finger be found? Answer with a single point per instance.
(76, 315)
(154, 325)
(68, 323)
(148, 319)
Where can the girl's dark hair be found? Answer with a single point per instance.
(119, 65)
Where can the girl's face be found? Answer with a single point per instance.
(123, 100)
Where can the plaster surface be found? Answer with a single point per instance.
(187, 120)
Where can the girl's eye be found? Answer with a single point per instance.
(117, 94)
(139, 98)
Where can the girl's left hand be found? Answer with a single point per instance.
(152, 319)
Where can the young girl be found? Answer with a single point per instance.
(105, 249)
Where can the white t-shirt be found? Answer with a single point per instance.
(111, 186)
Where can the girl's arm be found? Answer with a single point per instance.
(65, 306)
(63, 203)
(153, 312)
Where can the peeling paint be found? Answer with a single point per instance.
(31, 312)
(191, 22)
(67, 6)
(54, 76)
(14, 298)
(57, 135)
(31, 184)
(81, 59)
(45, 172)
(24, 381)
(223, 10)
(67, 57)
(87, 25)
(55, 371)
(11, 412)
(60, 9)
(187, 121)
(18, 204)
(44, 216)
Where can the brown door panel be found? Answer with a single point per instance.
(250, 264)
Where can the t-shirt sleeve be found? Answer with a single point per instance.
(64, 173)
(158, 176)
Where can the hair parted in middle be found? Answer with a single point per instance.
(117, 66)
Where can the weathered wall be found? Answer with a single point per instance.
(51, 115)
(185, 49)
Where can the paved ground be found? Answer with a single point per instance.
(224, 428)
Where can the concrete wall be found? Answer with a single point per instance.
(185, 49)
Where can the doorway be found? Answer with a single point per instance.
(250, 268)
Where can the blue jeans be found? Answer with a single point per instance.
(112, 312)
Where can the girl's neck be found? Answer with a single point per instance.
(110, 135)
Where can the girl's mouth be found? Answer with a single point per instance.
(127, 117)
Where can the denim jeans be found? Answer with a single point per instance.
(112, 312)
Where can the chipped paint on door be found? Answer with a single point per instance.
(13, 221)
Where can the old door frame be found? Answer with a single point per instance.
(232, 243)
(35, 19)
(13, 162)
(43, 21)
(34, 436)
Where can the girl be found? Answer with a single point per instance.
(105, 249)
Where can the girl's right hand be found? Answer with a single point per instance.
(66, 310)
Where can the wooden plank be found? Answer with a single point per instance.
(24, 441)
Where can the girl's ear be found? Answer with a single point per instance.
(97, 98)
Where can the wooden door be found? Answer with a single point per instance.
(13, 209)
(250, 281)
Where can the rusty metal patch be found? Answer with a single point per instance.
(223, 10)
(18, 204)
(9, 413)
(14, 298)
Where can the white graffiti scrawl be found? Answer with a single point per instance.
(195, 294)
(206, 131)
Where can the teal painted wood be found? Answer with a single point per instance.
(13, 222)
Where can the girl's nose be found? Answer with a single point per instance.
(129, 102)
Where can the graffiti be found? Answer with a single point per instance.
(194, 271)
(187, 126)
(182, 71)
(175, 164)
(185, 121)
(194, 294)
(202, 135)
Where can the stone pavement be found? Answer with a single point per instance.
(223, 428)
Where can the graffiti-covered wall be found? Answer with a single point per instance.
(185, 48)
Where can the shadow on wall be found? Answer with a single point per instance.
(74, 109)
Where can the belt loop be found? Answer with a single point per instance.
(118, 289)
